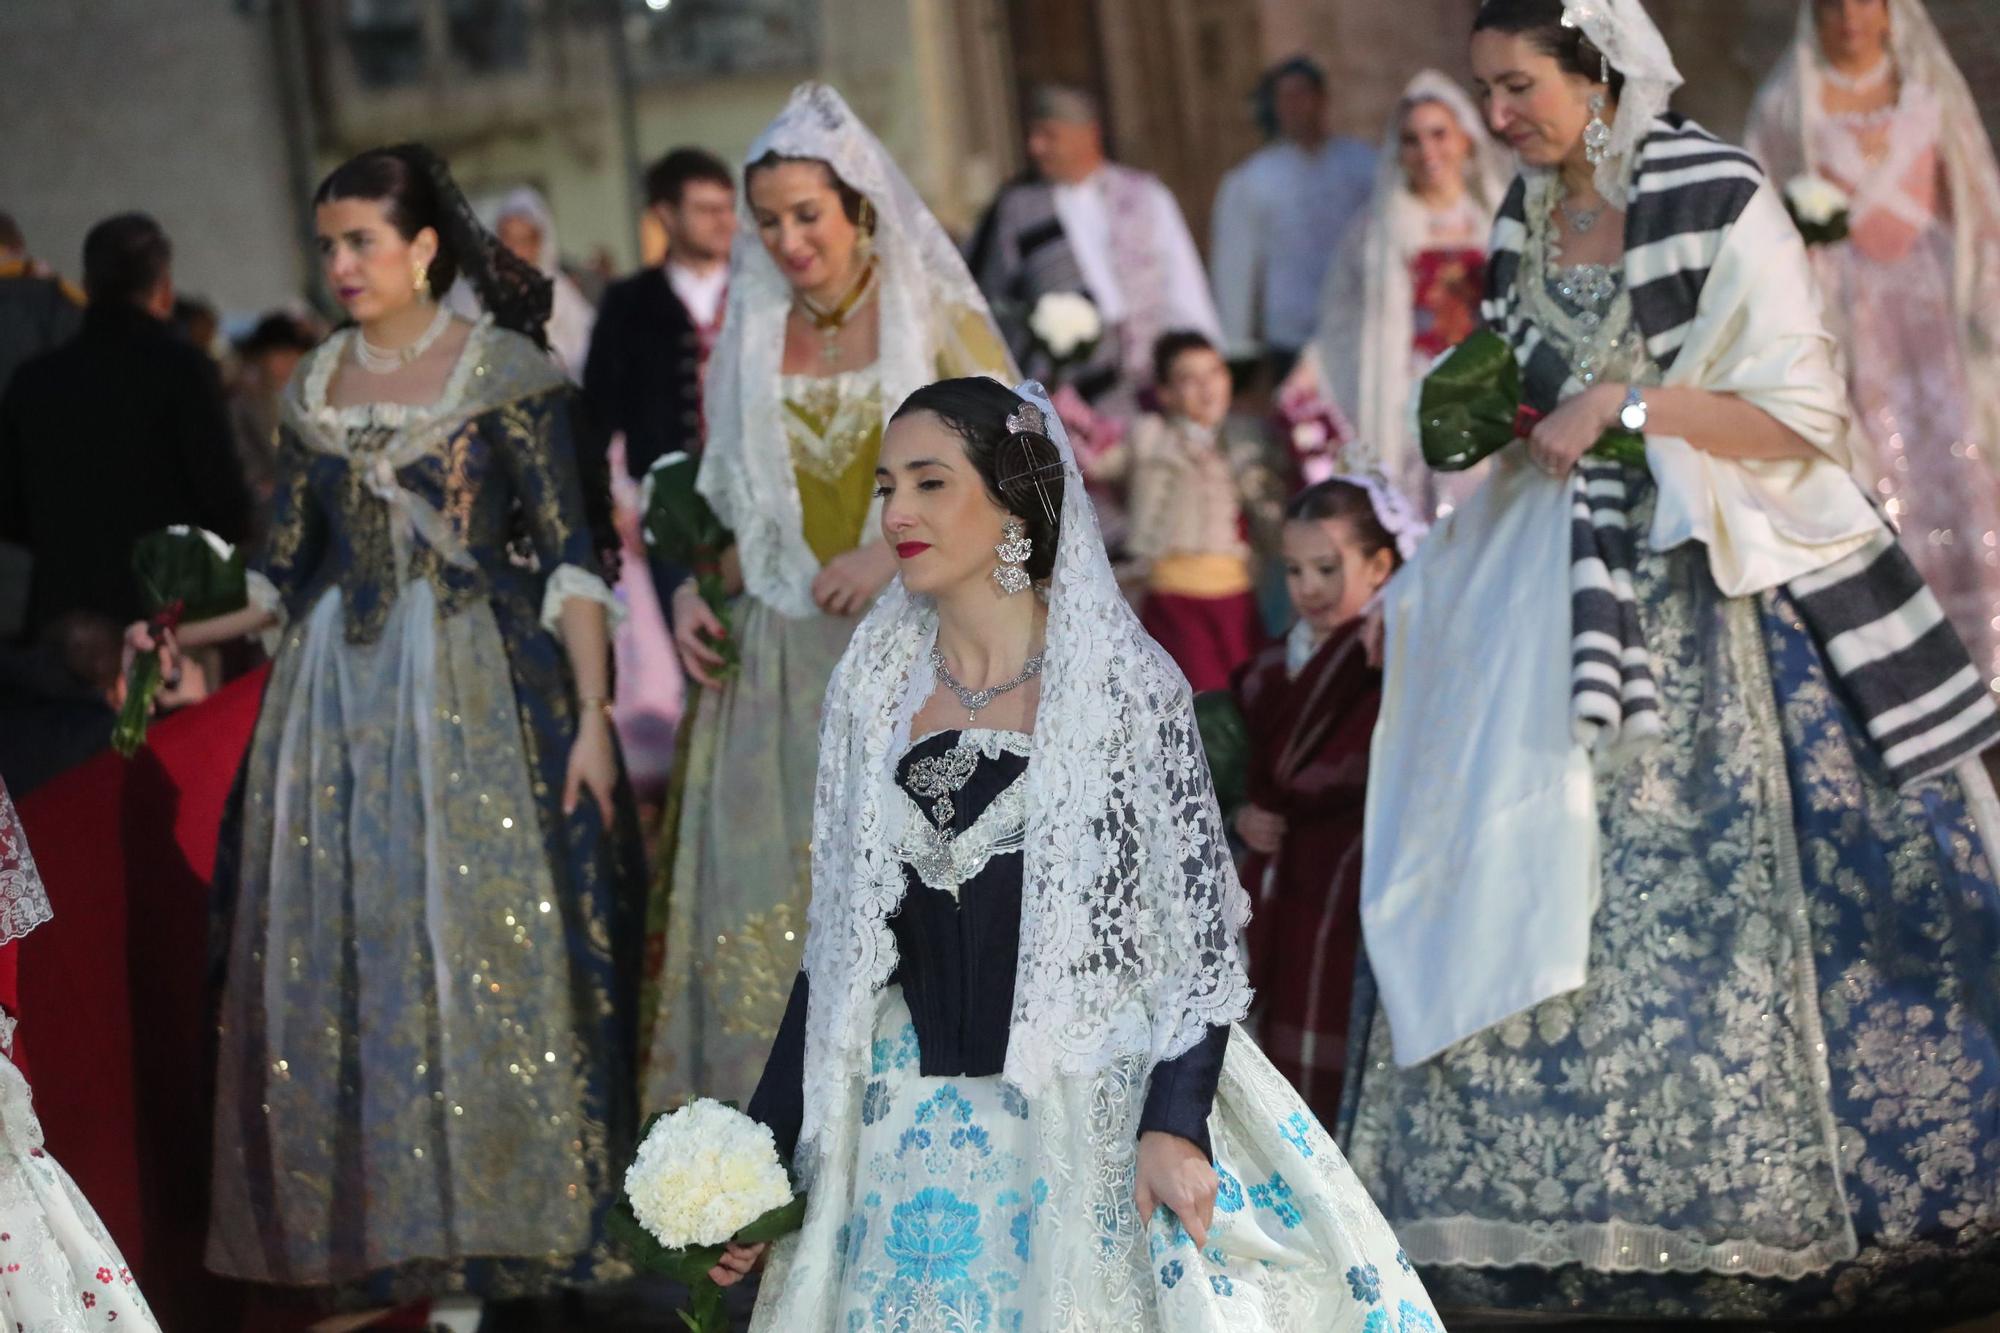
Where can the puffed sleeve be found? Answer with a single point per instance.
(537, 449)
(297, 542)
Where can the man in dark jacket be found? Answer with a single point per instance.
(38, 310)
(117, 433)
(655, 329)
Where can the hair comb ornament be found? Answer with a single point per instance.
(1020, 466)
(1027, 419)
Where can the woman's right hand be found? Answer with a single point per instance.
(1262, 831)
(139, 639)
(737, 1261)
(696, 632)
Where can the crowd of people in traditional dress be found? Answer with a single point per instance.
(1110, 764)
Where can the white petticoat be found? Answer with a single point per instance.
(60, 1272)
(957, 1204)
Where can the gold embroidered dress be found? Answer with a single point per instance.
(426, 1024)
(789, 466)
(738, 864)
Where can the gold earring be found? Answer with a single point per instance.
(866, 244)
(420, 278)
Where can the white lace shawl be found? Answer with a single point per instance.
(1783, 125)
(1131, 912)
(1365, 360)
(24, 903)
(746, 470)
(1629, 39)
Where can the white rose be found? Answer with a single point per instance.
(222, 549)
(1064, 322)
(1815, 200)
(703, 1174)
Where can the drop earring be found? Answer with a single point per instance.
(1014, 549)
(420, 275)
(1597, 133)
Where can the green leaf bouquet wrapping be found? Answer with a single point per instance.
(1470, 408)
(1225, 738)
(705, 1175)
(681, 526)
(184, 574)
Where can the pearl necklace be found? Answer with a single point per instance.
(383, 361)
(1865, 82)
(974, 700)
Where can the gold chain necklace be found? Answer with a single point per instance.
(831, 320)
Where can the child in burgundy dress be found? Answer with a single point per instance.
(1309, 705)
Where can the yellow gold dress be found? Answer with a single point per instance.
(736, 860)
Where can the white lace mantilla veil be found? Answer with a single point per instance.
(1630, 40)
(24, 903)
(746, 469)
(1782, 124)
(1365, 362)
(1131, 912)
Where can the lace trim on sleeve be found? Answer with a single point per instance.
(575, 581)
(264, 595)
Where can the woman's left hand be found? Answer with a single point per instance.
(591, 766)
(1573, 429)
(850, 580)
(1174, 1172)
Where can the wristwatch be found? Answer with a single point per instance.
(1632, 416)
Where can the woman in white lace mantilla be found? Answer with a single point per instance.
(1869, 98)
(844, 296)
(1406, 282)
(430, 877)
(60, 1270)
(1009, 1072)
(1686, 950)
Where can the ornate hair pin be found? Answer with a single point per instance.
(1027, 419)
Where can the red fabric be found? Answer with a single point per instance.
(1309, 742)
(1446, 286)
(114, 990)
(1208, 637)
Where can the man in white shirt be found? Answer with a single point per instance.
(1085, 224)
(1279, 217)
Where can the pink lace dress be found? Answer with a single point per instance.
(1888, 290)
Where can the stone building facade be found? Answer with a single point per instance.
(218, 115)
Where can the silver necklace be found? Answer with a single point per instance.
(384, 361)
(1581, 220)
(974, 700)
(1867, 81)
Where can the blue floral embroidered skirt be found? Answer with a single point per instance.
(947, 1203)
(1778, 1092)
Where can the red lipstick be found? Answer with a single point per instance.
(905, 550)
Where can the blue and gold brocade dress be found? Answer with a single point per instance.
(426, 1031)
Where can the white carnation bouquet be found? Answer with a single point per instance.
(1818, 207)
(1066, 326)
(704, 1176)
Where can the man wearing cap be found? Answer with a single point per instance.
(1082, 223)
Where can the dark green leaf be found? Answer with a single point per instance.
(781, 1221)
(1226, 739)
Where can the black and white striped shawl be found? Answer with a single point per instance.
(1883, 635)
